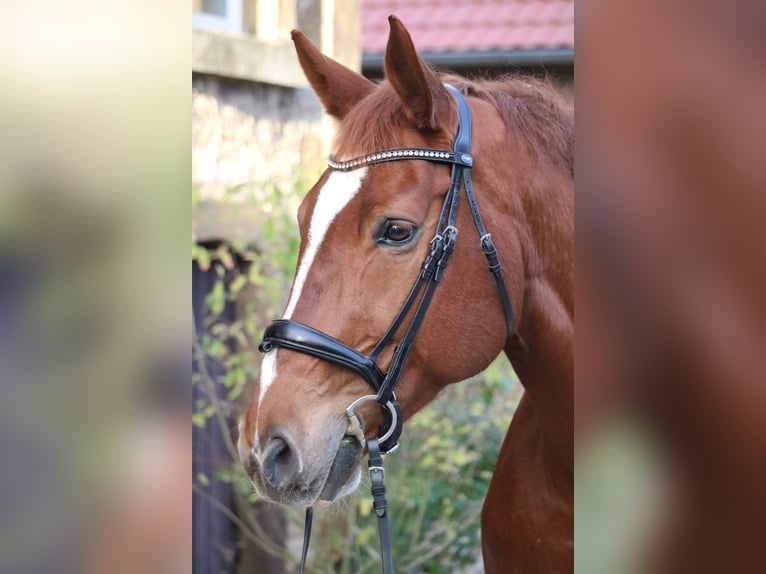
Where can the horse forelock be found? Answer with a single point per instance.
(376, 122)
(379, 122)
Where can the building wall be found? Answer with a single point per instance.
(253, 134)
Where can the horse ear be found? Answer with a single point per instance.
(338, 87)
(426, 100)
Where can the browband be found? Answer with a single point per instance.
(396, 154)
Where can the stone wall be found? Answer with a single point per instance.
(252, 134)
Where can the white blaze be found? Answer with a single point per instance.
(339, 189)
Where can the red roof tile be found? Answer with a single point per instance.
(473, 25)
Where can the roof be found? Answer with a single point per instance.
(446, 29)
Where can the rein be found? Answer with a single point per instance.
(296, 336)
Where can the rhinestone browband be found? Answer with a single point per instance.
(437, 155)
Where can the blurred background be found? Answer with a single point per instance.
(94, 287)
(259, 141)
(669, 380)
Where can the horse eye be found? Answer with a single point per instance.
(397, 232)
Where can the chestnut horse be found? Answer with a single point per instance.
(364, 234)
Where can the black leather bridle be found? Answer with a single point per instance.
(302, 338)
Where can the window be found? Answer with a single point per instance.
(222, 15)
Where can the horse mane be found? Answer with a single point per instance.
(530, 107)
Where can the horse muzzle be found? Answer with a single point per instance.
(285, 473)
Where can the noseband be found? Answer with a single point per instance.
(302, 338)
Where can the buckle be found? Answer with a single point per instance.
(379, 469)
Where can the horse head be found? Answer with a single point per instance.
(365, 233)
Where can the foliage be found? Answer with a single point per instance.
(436, 480)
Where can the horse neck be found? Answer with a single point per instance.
(542, 351)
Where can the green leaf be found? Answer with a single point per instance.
(199, 419)
(216, 299)
(202, 256)
(237, 284)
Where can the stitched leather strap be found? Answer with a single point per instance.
(379, 503)
(306, 537)
(433, 270)
(490, 252)
(299, 337)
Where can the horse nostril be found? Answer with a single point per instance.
(280, 464)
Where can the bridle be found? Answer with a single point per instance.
(302, 338)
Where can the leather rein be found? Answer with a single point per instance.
(296, 336)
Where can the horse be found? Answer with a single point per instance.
(368, 229)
